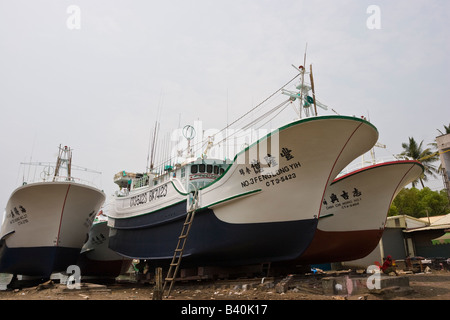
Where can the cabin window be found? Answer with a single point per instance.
(183, 172)
(216, 170)
(194, 168)
(201, 167)
(222, 170)
(209, 168)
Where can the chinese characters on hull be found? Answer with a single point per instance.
(272, 176)
(18, 215)
(343, 200)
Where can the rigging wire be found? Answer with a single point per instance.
(261, 103)
(282, 109)
(199, 145)
(252, 123)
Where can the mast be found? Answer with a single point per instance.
(64, 160)
(312, 88)
(302, 93)
(151, 153)
(302, 68)
(69, 165)
(58, 164)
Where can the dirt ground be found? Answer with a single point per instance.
(422, 286)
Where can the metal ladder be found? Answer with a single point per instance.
(178, 253)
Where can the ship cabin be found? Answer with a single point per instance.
(192, 174)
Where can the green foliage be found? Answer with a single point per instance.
(416, 151)
(416, 203)
(446, 129)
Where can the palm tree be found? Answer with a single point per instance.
(414, 151)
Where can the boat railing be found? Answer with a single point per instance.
(61, 179)
(362, 163)
(30, 175)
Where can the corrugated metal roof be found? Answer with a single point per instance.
(443, 220)
(439, 222)
(436, 227)
(430, 219)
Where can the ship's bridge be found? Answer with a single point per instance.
(203, 171)
(194, 174)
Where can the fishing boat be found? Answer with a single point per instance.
(354, 211)
(47, 222)
(262, 206)
(96, 258)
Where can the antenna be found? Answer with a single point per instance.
(151, 154)
(303, 90)
(189, 134)
(226, 131)
(303, 77)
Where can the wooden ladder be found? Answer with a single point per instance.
(178, 253)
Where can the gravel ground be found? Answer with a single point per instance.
(426, 286)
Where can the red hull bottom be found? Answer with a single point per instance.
(329, 246)
(109, 269)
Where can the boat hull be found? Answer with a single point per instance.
(247, 216)
(97, 259)
(46, 225)
(352, 226)
(37, 261)
(212, 241)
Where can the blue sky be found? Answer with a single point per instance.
(100, 88)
